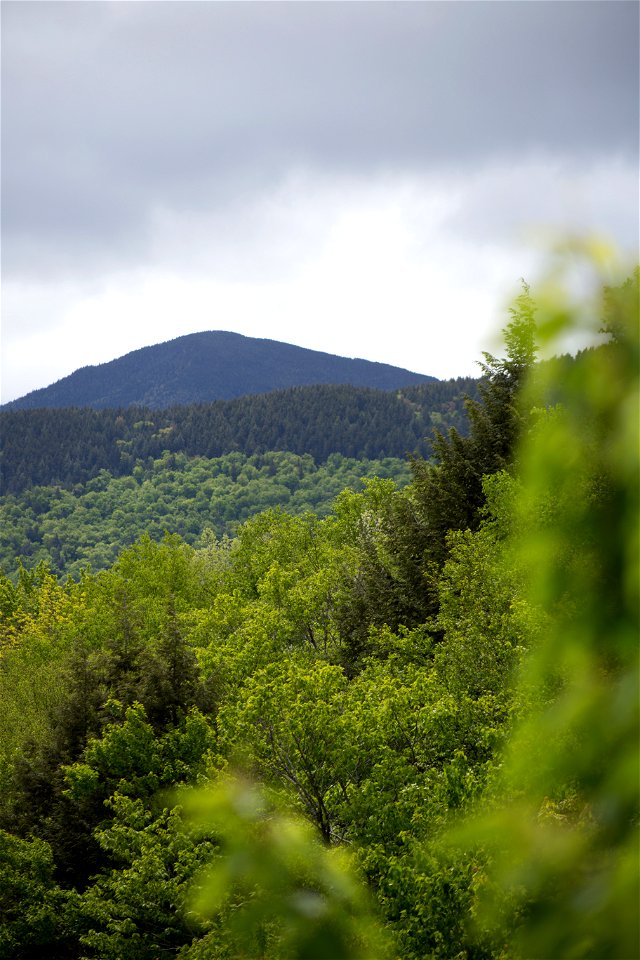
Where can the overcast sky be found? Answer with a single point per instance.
(360, 178)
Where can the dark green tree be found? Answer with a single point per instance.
(405, 547)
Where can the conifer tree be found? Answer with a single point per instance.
(398, 580)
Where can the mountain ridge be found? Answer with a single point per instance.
(207, 366)
(50, 446)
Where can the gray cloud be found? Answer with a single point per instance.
(112, 110)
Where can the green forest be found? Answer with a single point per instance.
(53, 447)
(403, 726)
(89, 524)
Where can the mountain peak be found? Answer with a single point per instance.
(207, 366)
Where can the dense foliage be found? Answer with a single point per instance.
(65, 447)
(443, 724)
(90, 524)
(214, 365)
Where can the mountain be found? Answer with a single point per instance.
(202, 367)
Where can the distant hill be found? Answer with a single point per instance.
(203, 367)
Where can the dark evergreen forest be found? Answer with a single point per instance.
(63, 447)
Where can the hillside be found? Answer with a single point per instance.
(202, 367)
(65, 447)
(90, 524)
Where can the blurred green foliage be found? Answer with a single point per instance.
(564, 805)
(281, 892)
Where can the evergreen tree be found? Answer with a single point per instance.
(398, 581)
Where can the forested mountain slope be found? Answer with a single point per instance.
(91, 523)
(68, 446)
(407, 730)
(202, 367)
